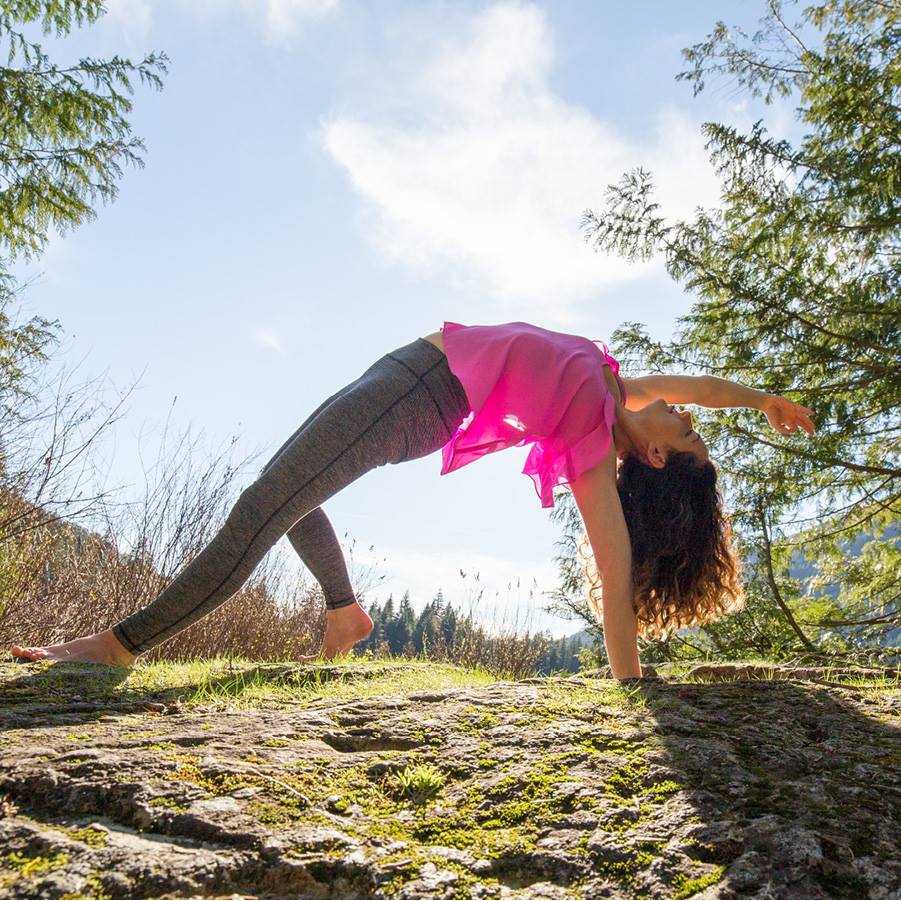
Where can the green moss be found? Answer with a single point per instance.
(339, 805)
(276, 743)
(603, 741)
(685, 886)
(169, 803)
(624, 872)
(462, 888)
(92, 887)
(221, 784)
(582, 846)
(35, 866)
(282, 813)
(89, 835)
(627, 780)
(474, 718)
(661, 789)
(426, 736)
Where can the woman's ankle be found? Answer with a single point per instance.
(349, 619)
(118, 652)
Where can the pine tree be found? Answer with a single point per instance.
(64, 138)
(388, 609)
(796, 291)
(406, 615)
(397, 628)
(448, 626)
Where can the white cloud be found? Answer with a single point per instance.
(468, 157)
(133, 16)
(284, 18)
(278, 20)
(268, 339)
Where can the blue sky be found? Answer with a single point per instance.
(327, 180)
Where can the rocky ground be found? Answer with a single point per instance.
(583, 787)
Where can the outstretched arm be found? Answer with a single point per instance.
(711, 391)
(598, 502)
(703, 390)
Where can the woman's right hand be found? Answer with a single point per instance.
(785, 416)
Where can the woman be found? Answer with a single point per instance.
(472, 390)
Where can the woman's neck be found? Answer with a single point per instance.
(626, 435)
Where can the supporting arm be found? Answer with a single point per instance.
(598, 502)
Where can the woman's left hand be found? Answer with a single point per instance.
(785, 416)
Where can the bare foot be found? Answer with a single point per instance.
(103, 647)
(344, 628)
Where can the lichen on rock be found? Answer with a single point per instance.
(761, 785)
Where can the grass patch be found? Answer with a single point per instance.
(418, 783)
(239, 684)
(222, 683)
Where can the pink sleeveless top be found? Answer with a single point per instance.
(527, 384)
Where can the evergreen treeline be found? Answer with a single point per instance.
(441, 632)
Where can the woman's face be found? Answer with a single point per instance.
(675, 429)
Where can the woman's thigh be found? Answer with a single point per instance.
(428, 410)
(401, 408)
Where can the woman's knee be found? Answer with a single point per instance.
(251, 505)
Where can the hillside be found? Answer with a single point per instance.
(409, 779)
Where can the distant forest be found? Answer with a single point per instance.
(440, 631)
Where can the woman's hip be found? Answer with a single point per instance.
(426, 399)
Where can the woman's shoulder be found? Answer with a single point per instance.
(597, 482)
(614, 384)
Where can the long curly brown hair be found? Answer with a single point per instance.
(684, 569)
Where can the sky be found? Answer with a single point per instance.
(327, 180)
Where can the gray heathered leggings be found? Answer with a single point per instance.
(406, 405)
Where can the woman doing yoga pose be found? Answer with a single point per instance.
(660, 546)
